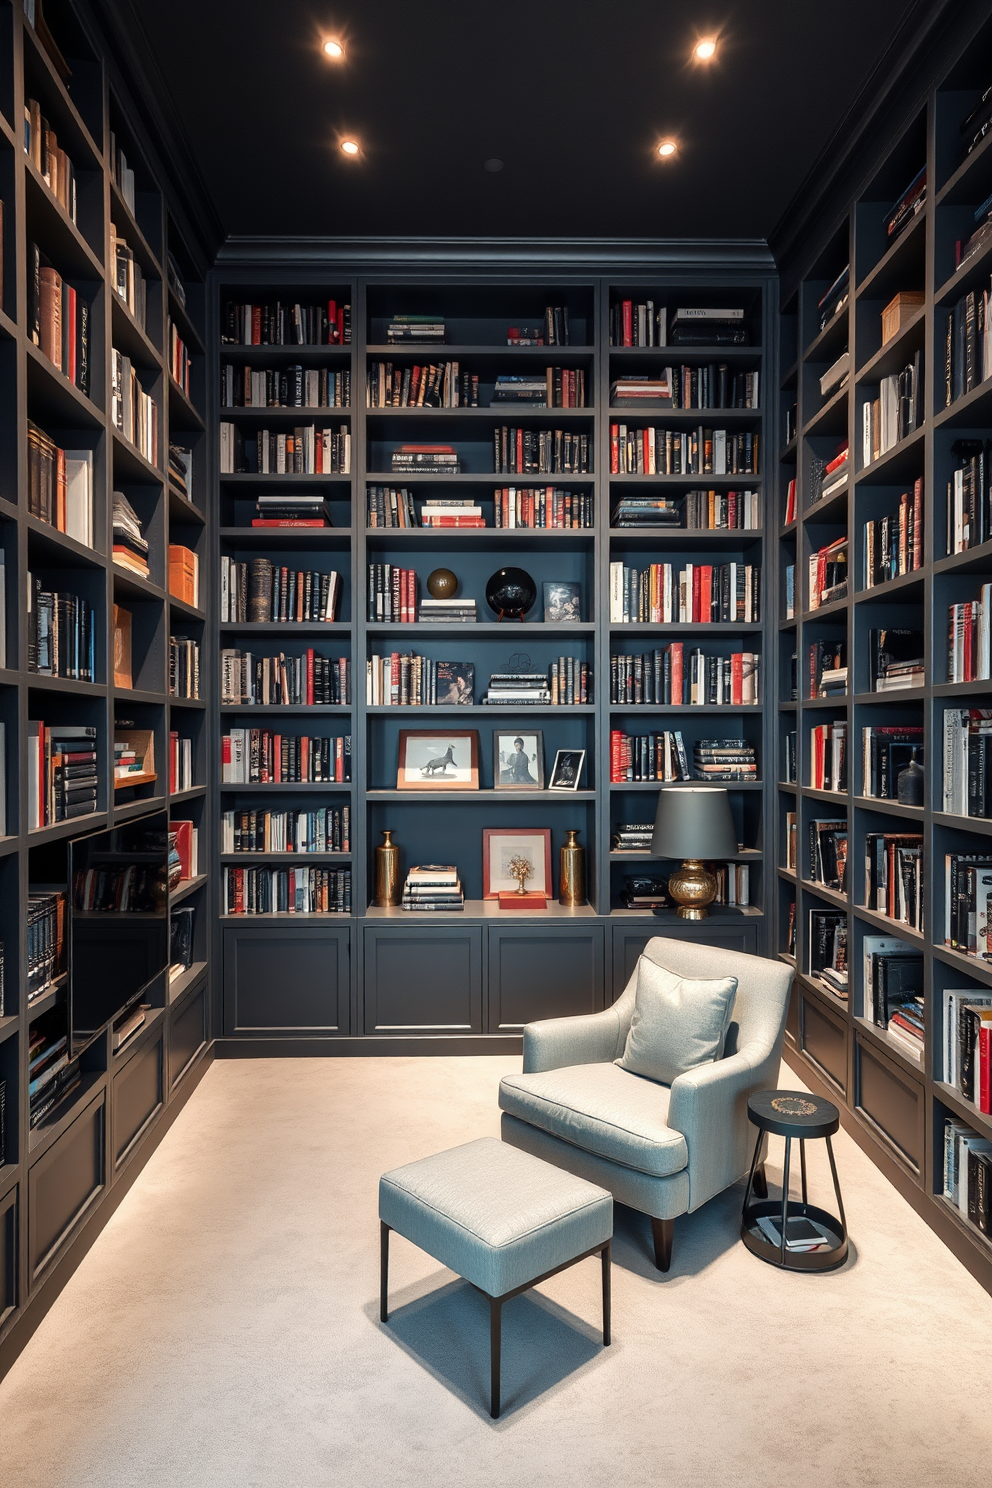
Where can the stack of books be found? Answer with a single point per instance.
(416, 328)
(181, 469)
(645, 892)
(641, 392)
(130, 545)
(461, 513)
(646, 511)
(531, 390)
(435, 887)
(518, 689)
(427, 459)
(836, 376)
(834, 477)
(895, 660)
(448, 611)
(828, 948)
(62, 772)
(836, 297)
(964, 249)
(127, 761)
(51, 1073)
(894, 990)
(907, 207)
(291, 509)
(633, 837)
(724, 759)
(699, 326)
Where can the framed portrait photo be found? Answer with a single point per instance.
(567, 772)
(500, 845)
(438, 759)
(518, 759)
(562, 603)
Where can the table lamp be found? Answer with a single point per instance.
(693, 822)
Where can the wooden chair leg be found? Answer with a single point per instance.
(663, 1231)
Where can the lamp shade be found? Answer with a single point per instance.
(694, 822)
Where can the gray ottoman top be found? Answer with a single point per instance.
(496, 1215)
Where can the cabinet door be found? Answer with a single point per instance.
(893, 1102)
(187, 1032)
(630, 938)
(286, 979)
(823, 1039)
(423, 979)
(64, 1184)
(8, 1254)
(538, 971)
(137, 1095)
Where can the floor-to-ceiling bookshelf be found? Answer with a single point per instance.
(384, 977)
(897, 1103)
(60, 1179)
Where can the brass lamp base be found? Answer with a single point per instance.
(692, 887)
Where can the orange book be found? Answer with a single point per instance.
(184, 574)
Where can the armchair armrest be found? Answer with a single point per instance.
(708, 1106)
(555, 1043)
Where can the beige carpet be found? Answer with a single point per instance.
(223, 1332)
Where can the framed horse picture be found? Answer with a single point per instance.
(438, 759)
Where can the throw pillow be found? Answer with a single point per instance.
(677, 1023)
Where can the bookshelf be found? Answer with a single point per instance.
(896, 1104)
(431, 983)
(60, 1179)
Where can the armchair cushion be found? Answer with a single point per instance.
(603, 1109)
(678, 1022)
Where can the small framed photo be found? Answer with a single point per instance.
(435, 759)
(518, 759)
(562, 603)
(455, 684)
(567, 771)
(501, 845)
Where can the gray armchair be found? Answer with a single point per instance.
(663, 1150)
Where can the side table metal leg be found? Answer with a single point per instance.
(802, 1164)
(606, 1254)
(840, 1201)
(785, 1194)
(383, 1270)
(750, 1176)
(495, 1341)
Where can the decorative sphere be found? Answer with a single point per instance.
(442, 584)
(511, 592)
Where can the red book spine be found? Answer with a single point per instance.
(918, 523)
(339, 760)
(697, 578)
(616, 748)
(675, 652)
(173, 762)
(520, 451)
(310, 677)
(256, 325)
(332, 322)
(737, 678)
(628, 323)
(984, 1056)
(969, 632)
(614, 449)
(274, 771)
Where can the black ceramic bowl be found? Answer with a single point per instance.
(510, 593)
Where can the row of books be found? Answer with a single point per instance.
(893, 545)
(180, 361)
(123, 173)
(275, 323)
(261, 592)
(885, 752)
(513, 506)
(60, 485)
(405, 679)
(967, 345)
(251, 756)
(656, 451)
(967, 889)
(662, 756)
(836, 297)
(966, 1027)
(307, 450)
(909, 205)
(969, 509)
(967, 783)
(557, 387)
(827, 669)
(540, 451)
(46, 926)
(48, 158)
(251, 891)
(828, 757)
(129, 281)
(666, 676)
(425, 459)
(62, 772)
(968, 1174)
(184, 667)
(699, 594)
(433, 887)
(895, 413)
(894, 876)
(134, 412)
(52, 1073)
(642, 323)
(283, 387)
(827, 949)
(61, 634)
(828, 573)
(828, 852)
(433, 385)
(709, 385)
(968, 627)
(323, 830)
(181, 756)
(58, 320)
(705, 511)
(309, 678)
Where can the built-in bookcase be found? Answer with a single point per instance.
(899, 1103)
(457, 969)
(56, 1177)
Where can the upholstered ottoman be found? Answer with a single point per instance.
(502, 1219)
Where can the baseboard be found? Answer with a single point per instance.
(375, 1046)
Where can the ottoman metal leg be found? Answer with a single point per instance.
(383, 1270)
(606, 1254)
(495, 1341)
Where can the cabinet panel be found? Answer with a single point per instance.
(893, 1102)
(537, 972)
(64, 1183)
(425, 979)
(137, 1096)
(824, 1039)
(8, 1253)
(187, 1033)
(630, 938)
(286, 980)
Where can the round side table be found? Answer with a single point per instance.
(793, 1114)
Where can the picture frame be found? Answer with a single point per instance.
(518, 759)
(562, 602)
(438, 759)
(566, 773)
(500, 844)
(455, 684)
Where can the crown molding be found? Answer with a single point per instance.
(586, 255)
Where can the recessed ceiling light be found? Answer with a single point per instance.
(494, 165)
(333, 48)
(350, 147)
(667, 148)
(705, 49)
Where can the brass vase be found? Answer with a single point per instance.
(388, 889)
(693, 888)
(572, 872)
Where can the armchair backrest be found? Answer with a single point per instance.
(758, 1019)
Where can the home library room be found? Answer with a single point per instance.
(103, 754)
(533, 570)
(884, 558)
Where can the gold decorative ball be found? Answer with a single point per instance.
(442, 584)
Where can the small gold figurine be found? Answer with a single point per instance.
(520, 869)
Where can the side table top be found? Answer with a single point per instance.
(793, 1113)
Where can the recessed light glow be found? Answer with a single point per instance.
(667, 148)
(705, 49)
(349, 146)
(333, 48)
